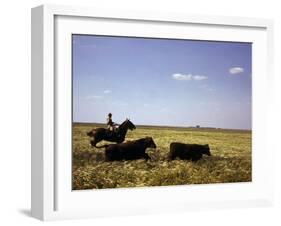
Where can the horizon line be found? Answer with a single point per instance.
(200, 127)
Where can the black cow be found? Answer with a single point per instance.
(129, 150)
(192, 152)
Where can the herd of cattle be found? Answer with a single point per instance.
(136, 149)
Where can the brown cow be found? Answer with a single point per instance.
(130, 150)
(192, 152)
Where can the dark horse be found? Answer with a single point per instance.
(117, 136)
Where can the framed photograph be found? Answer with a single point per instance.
(137, 112)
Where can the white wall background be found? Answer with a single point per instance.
(15, 111)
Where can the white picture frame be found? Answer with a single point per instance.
(52, 197)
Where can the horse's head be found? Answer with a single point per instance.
(129, 124)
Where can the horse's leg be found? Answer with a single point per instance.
(120, 140)
(93, 143)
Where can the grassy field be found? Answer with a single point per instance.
(230, 160)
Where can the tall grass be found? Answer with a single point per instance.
(230, 160)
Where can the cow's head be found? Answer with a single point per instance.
(149, 142)
(206, 149)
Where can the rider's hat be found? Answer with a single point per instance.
(109, 114)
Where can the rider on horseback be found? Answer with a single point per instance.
(110, 133)
(110, 124)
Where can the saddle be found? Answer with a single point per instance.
(112, 133)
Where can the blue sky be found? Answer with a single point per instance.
(162, 82)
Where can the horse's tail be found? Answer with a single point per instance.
(91, 133)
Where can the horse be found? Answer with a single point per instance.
(117, 136)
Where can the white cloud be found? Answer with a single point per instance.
(199, 77)
(107, 91)
(182, 77)
(94, 97)
(188, 77)
(236, 70)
